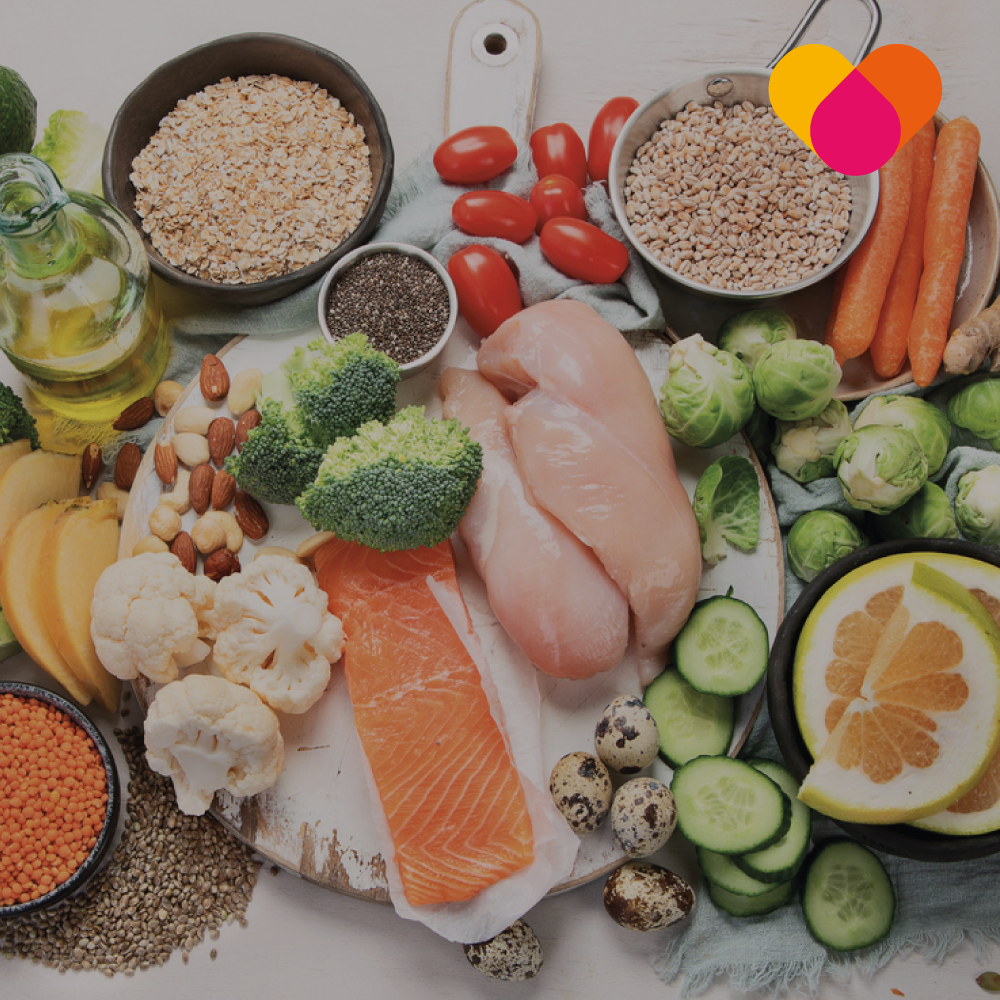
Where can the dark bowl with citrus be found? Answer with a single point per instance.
(841, 661)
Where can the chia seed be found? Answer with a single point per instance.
(396, 300)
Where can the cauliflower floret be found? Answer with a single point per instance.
(275, 634)
(205, 734)
(144, 617)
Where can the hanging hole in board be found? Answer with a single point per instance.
(495, 44)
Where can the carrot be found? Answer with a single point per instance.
(838, 291)
(870, 267)
(955, 162)
(892, 333)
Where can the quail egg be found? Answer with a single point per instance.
(626, 737)
(581, 787)
(645, 897)
(514, 954)
(643, 816)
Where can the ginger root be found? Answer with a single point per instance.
(973, 342)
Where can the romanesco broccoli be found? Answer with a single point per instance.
(16, 423)
(338, 387)
(398, 485)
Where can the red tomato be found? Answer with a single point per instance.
(494, 213)
(604, 132)
(557, 149)
(486, 286)
(555, 196)
(583, 251)
(475, 154)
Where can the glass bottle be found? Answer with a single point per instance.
(78, 313)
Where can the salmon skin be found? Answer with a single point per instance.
(451, 793)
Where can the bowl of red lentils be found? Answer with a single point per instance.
(59, 799)
(249, 165)
(399, 296)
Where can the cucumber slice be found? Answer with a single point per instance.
(729, 807)
(780, 861)
(690, 724)
(847, 896)
(751, 906)
(723, 647)
(721, 870)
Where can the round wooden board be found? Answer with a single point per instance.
(316, 820)
(688, 314)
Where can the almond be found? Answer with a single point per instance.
(136, 415)
(221, 438)
(223, 491)
(183, 548)
(91, 465)
(214, 379)
(247, 422)
(221, 563)
(250, 515)
(165, 462)
(127, 465)
(200, 487)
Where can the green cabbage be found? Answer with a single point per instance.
(818, 539)
(804, 449)
(927, 514)
(977, 505)
(925, 421)
(880, 468)
(73, 146)
(727, 507)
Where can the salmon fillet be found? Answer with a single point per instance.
(451, 793)
(548, 590)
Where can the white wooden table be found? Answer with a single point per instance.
(88, 56)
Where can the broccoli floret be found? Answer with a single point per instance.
(338, 387)
(16, 423)
(281, 455)
(398, 485)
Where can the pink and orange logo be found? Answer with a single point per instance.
(855, 119)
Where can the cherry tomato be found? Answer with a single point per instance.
(555, 196)
(486, 286)
(475, 154)
(494, 213)
(582, 251)
(557, 149)
(604, 132)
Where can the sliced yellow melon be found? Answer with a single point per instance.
(34, 479)
(79, 545)
(23, 596)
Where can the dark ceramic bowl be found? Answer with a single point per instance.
(234, 56)
(94, 861)
(899, 839)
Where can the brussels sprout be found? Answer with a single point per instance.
(977, 505)
(927, 514)
(748, 334)
(976, 408)
(880, 468)
(922, 419)
(727, 507)
(804, 449)
(795, 379)
(818, 539)
(708, 395)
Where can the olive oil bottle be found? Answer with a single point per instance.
(78, 315)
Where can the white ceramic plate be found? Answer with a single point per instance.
(316, 819)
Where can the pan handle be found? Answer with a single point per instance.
(810, 15)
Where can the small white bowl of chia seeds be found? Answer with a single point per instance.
(398, 295)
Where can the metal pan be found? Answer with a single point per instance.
(734, 85)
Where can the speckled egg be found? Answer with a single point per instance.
(645, 897)
(514, 954)
(581, 787)
(626, 737)
(643, 816)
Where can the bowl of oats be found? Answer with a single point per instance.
(249, 166)
(720, 197)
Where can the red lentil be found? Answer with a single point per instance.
(53, 797)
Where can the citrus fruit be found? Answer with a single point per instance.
(897, 691)
(18, 113)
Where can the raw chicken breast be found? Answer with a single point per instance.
(592, 447)
(548, 589)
